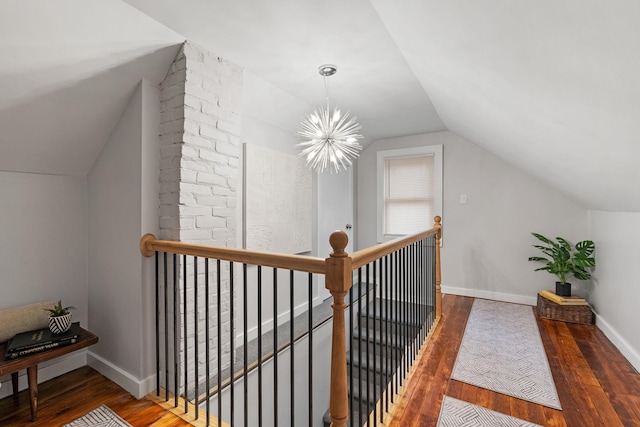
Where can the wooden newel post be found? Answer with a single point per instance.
(338, 282)
(144, 247)
(438, 226)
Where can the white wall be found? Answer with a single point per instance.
(270, 119)
(122, 181)
(615, 293)
(487, 241)
(43, 252)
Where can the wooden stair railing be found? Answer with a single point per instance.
(338, 269)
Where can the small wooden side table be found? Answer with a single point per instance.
(30, 363)
(565, 313)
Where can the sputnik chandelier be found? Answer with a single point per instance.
(330, 138)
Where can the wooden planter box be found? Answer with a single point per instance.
(565, 313)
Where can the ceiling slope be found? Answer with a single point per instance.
(285, 41)
(68, 70)
(549, 86)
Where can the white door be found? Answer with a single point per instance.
(335, 212)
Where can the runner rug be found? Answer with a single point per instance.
(456, 413)
(502, 351)
(102, 416)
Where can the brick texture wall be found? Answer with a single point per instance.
(199, 176)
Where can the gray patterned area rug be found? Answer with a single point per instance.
(456, 413)
(102, 416)
(502, 351)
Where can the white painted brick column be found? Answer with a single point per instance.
(200, 173)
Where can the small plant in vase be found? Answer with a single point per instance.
(59, 318)
(563, 261)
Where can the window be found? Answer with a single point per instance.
(409, 190)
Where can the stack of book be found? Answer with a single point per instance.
(571, 300)
(39, 340)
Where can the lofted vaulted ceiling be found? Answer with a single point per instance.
(551, 87)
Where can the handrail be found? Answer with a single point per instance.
(149, 245)
(337, 268)
(365, 256)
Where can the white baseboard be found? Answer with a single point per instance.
(621, 344)
(138, 388)
(46, 371)
(492, 295)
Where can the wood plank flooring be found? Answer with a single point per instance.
(70, 396)
(596, 385)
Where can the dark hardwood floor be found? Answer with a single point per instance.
(67, 397)
(595, 383)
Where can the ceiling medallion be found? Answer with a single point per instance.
(330, 139)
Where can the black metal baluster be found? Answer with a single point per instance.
(387, 327)
(419, 286)
(275, 346)
(351, 349)
(412, 287)
(245, 343)
(232, 346)
(397, 322)
(219, 312)
(405, 283)
(291, 350)
(157, 292)
(166, 323)
(195, 330)
(427, 273)
(414, 298)
(367, 278)
(184, 318)
(383, 337)
(400, 318)
(360, 295)
(423, 259)
(423, 289)
(407, 280)
(392, 323)
(375, 320)
(420, 290)
(433, 276)
(418, 307)
(176, 315)
(429, 282)
(310, 397)
(403, 312)
(259, 346)
(206, 337)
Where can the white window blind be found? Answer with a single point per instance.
(408, 194)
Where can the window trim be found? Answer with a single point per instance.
(382, 155)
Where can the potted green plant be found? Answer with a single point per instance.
(59, 318)
(563, 261)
